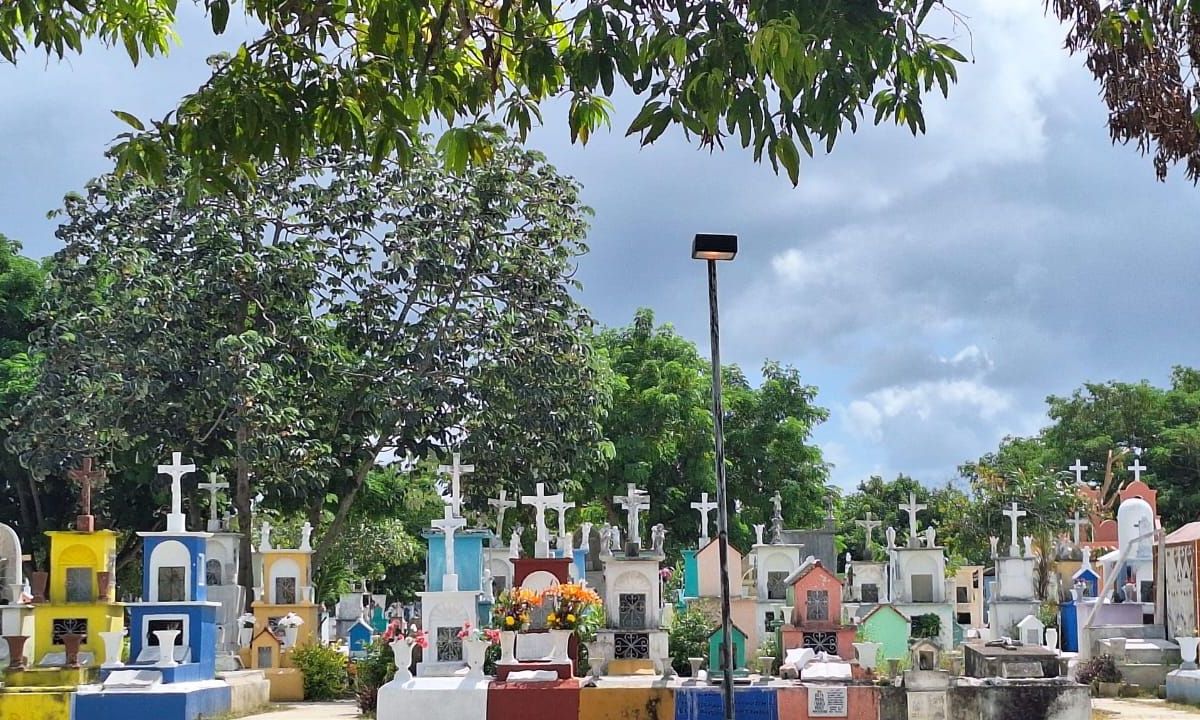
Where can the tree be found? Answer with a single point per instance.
(295, 331)
(659, 426)
(21, 285)
(883, 498)
(775, 76)
(1145, 54)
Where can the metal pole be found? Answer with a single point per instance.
(722, 502)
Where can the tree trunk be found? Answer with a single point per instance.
(241, 501)
(345, 503)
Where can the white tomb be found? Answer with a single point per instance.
(16, 615)
(221, 568)
(918, 575)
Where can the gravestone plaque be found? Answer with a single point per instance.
(1021, 670)
(922, 588)
(632, 611)
(285, 591)
(776, 587)
(926, 706)
(748, 703)
(827, 701)
(172, 584)
(870, 593)
(79, 584)
(212, 572)
(449, 645)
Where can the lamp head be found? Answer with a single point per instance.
(706, 246)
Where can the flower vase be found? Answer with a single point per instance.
(114, 641)
(245, 635)
(39, 586)
(71, 643)
(1187, 651)
(289, 636)
(561, 642)
(166, 648)
(16, 651)
(103, 585)
(1052, 638)
(475, 652)
(402, 652)
(508, 647)
(868, 653)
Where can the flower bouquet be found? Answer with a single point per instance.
(570, 605)
(475, 642)
(512, 608)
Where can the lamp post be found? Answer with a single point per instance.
(713, 248)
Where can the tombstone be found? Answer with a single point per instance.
(1031, 630)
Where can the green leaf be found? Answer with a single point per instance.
(220, 15)
(129, 119)
(785, 152)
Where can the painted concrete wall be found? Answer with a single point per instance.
(1180, 571)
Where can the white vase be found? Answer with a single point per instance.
(508, 647)
(475, 653)
(1187, 650)
(113, 642)
(1052, 638)
(166, 648)
(402, 652)
(289, 636)
(559, 650)
(245, 635)
(867, 654)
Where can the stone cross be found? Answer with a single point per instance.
(868, 525)
(87, 478)
(1013, 513)
(501, 505)
(1078, 468)
(448, 524)
(456, 471)
(540, 502)
(705, 507)
(1137, 467)
(176, 521)
(560, 507)
(634, 501)
(213, 487)
(1078, 522)
(306, 537)
(912, 508)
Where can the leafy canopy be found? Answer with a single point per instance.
(777, 76)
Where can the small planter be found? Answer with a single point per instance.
(475, 653)
(114, 640)
(166, 648)
(38, 586)
(245, 635)
(1052, 638)
(562, 641)
(1107, 689)
(16, 651)
(402, 652)
(508, 647)
(765, 664)
(71, 643)
(868, 653)
(697, 664)
(103, 584)
(1187, 651)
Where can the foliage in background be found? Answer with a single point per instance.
(928, 625)
(376, 667)
(775, 77)
(1102, 668)
(296, 332)
(324, 669)
(1145, 55)
(689, 633)
(659, 425)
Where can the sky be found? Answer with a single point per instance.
(936, 289)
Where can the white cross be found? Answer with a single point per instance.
(868, 525)
(456, 471)
(912, 508)
(1078, 467)
(540, 502)
(175, 521)
(705, 507)
(1137, 467)
(561, 506)
(1078, 522)
(212, 486)
(1013, 514)
(634, 501)
(448, 524)
(501, 505)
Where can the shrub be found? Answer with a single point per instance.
(928, 625)
(1048, 614)
(324, 671)
(1099, 669)
(372, 670)
(689, 632)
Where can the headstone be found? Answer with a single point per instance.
(1021, 670)
(827, 701)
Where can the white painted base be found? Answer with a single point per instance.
(446, 698)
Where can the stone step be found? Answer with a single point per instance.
(1128, 631)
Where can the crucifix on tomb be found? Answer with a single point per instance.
(634, 501)
(448, 524)
(213, 487)
(539, 502)
(456, 471)
(1078, 522)
(1137, 468)
(560, 507)
(176, 522)
(1078, 469)
(1013, 514)
(868, 525)
(912, 508)
(87, 478)
(705, 507)
(501, 505)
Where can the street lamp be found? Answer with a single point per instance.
(713, 248)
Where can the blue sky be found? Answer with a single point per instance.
(936, 289)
